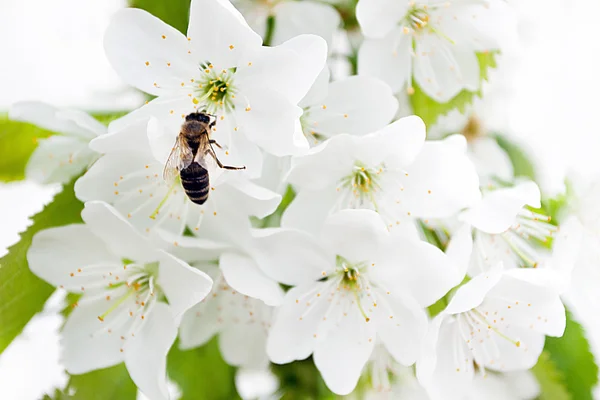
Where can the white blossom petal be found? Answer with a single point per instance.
(437, 370)
(460, 249)
(242, 274)
(388, 59)
(147, 53)
(132, 137)
(59, 159)
(490, 159)
(183, 285)
(224, 38)
(533, 306)
(121, 238)
(324, 164)
(442, 70)
(65, 256)
(290, 68)
(440, 192)
(309, 209)
(341, 356)
(498, 209)
(399, 143)
(146, 355)
(356, 235)
(267, 119)
(244, 346)
(402, 323)
(407, 263)
(472, 293)
(311, 54)
(318, 90)
(68, 122)
(86, 345)
(356, 105)
(378, 17)
(296, 18)
(291, 257)
(242, 195)
(201, 322)
(292, 335)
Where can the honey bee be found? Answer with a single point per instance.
(188, 157)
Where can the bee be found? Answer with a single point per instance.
(188, 157)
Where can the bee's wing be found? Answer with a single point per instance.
(201, 156)
(180, 158)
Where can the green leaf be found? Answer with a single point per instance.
(572, 356)
(22, 294)
(102, 384)
(301, 380)
(107, 118)
(430, 110)
(551, 380)
(17, 141)
(274, 219)
(519, 159)
(201, 373)
(557, 207)
(173, 12)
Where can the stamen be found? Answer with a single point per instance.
(493, 328)
(163, 201)
(116, 305)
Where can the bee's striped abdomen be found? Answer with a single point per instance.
(194, 180)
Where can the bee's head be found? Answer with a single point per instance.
(198, 116)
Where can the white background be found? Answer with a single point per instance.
(545, 95)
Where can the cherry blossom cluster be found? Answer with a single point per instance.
(350, 236)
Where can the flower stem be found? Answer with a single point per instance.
(270, 30)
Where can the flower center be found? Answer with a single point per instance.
(309, 128)
(139, 283)
(417, 18)
(353, 282)
(530, 231)
(362, 184)
(473, 129)
(215, 89)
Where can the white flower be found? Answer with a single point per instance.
(242, 322)
(241, 304)
(130, 176)
(390, 380)
(355, 105)
(478, 124)
(358, 283)
(256, 384)
(496, 321)
(392, 171)
(585, 222)
(291, 18)
(583, 219)
(433, 42)
(66, 154)
(222, 68)
(515, 385)
(506, 230)
(124, 281)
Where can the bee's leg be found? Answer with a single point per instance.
(212, 141)
(212, 153)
